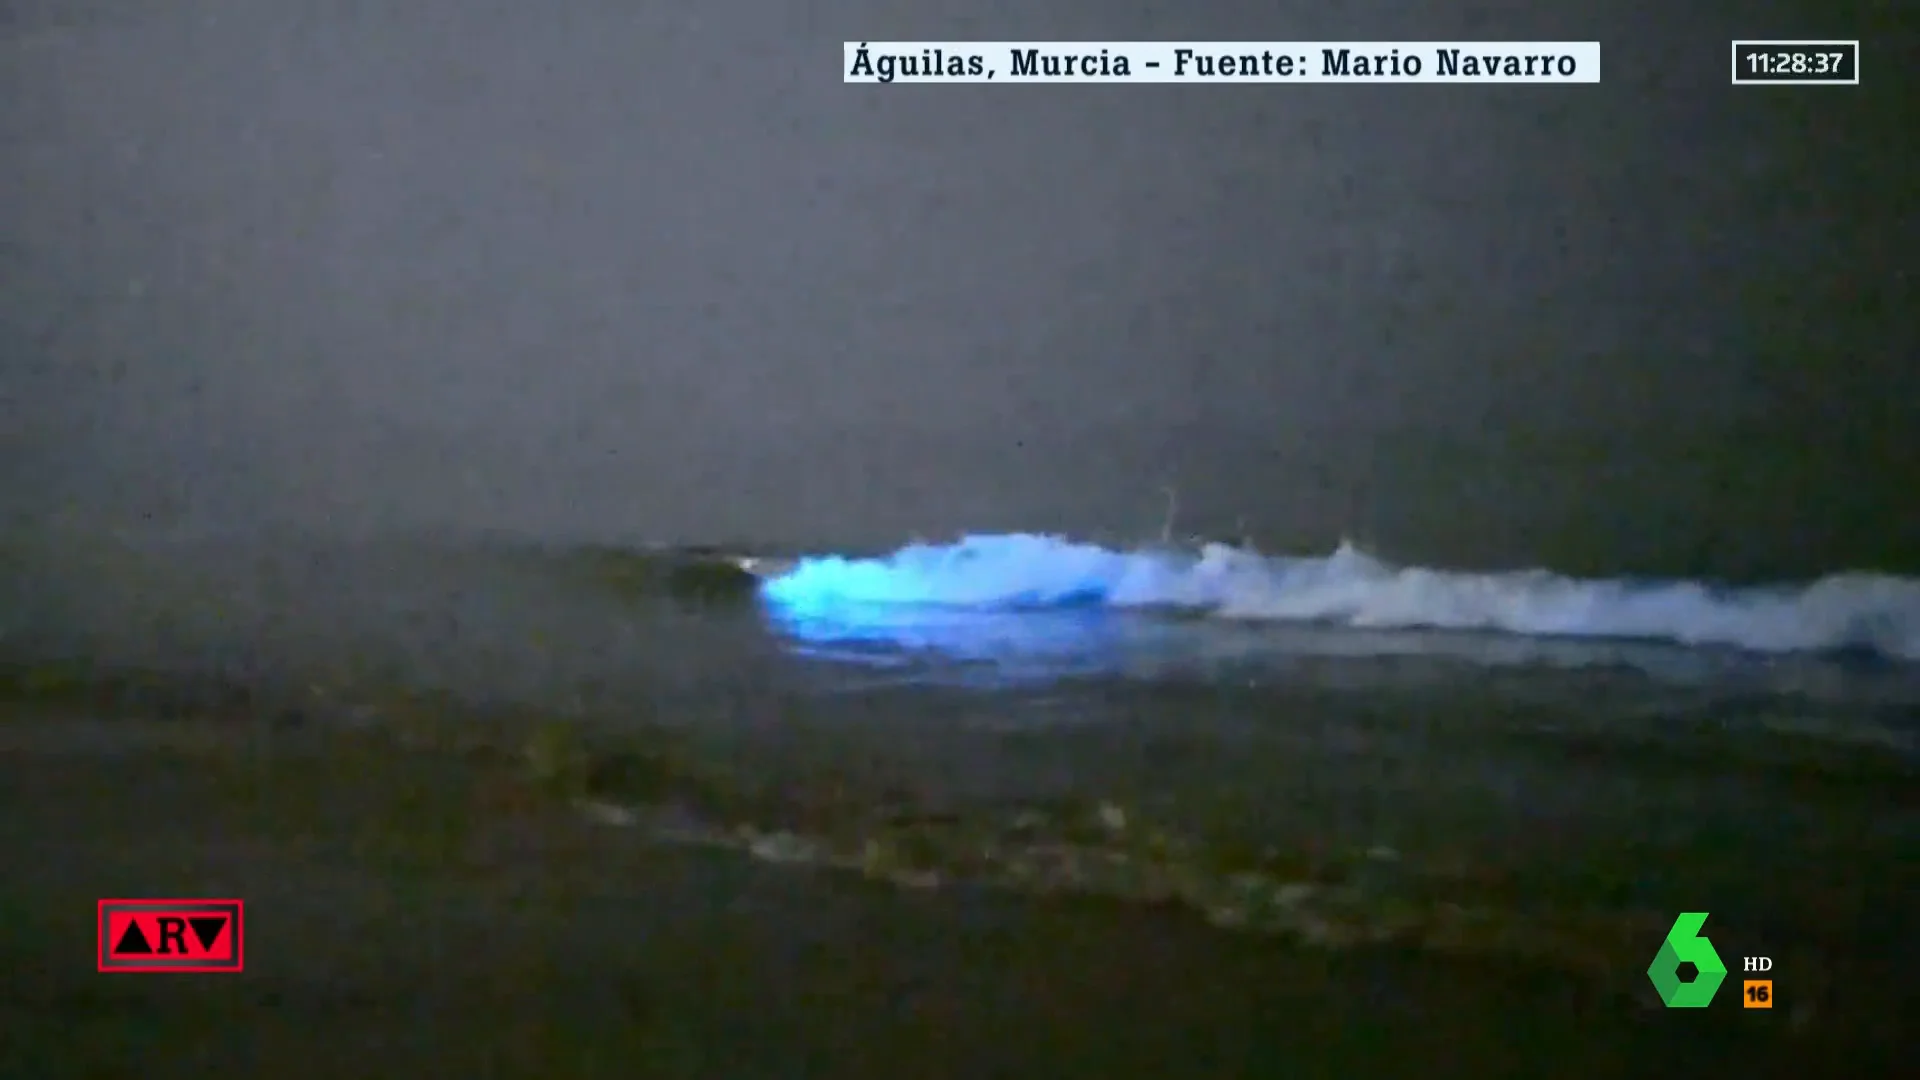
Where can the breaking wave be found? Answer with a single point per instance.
(1853, 612)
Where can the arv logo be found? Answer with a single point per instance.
(1685, 945)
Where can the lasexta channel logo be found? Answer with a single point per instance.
(172, 935)
(1686, 945)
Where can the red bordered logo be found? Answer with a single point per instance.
(172, 935)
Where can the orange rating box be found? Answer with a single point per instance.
(1757, 994)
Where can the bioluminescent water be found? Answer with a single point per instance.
(1022, 598)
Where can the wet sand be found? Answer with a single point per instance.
(428, 912)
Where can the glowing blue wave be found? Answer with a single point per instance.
(1868, 613)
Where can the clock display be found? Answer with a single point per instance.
(1816, 62)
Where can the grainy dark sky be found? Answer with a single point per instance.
(600, 269)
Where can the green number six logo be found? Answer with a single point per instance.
(1685, 945)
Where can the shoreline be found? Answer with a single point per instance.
(427, 907)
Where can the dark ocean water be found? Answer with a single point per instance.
(1543, 778)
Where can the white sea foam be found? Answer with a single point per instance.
(1870, 613)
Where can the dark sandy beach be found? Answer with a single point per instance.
(421, 912)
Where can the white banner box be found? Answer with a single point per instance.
(1300, 62)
